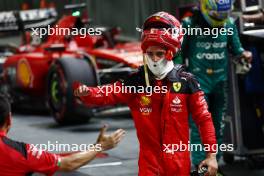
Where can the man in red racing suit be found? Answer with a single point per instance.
(161, 115)
(21, 159)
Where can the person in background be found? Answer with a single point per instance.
(207, 57)
(20, 159)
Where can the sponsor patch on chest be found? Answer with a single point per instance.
(176, 104)
(145, 105)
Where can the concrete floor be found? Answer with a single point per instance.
(39, 129)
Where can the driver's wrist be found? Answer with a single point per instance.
(101, 149)
(211, 155)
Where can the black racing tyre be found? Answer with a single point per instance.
(61, 101)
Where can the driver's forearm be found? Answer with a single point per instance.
(211, 155)
(76, 160)
(110, 94)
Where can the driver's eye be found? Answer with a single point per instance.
(160, 54)
(150, 54)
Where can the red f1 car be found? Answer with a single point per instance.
(46, 72)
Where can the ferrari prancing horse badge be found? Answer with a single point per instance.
(176, 86)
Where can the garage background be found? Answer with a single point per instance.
(128, 14)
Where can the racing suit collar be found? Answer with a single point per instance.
(171, 76)
(2, 133)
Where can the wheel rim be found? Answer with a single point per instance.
(56, 93)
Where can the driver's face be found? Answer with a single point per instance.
(156, 53)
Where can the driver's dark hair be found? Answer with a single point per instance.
(5, 109)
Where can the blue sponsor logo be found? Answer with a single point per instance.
(224, 5)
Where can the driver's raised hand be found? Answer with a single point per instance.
(110, 141)
(82, 90)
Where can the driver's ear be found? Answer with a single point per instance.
(169, 55)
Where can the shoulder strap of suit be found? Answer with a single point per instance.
(18, 146)
(182, 81)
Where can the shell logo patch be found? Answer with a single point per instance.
(145, 101)
(177, 86)
(24, 73)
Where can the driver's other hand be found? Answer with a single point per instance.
(110, 141)
(82, 91)
(247, 55)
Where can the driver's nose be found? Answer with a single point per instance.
(155, 58)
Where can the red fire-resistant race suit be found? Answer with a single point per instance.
(20, 159)
(161, 119)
